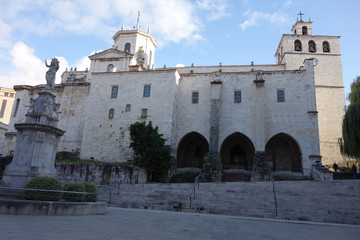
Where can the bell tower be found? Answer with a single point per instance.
(141, 44)
(292, 50)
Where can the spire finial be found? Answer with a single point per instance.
(138, 20)
(300, 14)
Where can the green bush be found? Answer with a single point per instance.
(90, 188)
(44, 183)
(74, 187)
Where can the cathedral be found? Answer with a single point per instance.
(289, 113)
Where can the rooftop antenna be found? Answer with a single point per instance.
(138, 20)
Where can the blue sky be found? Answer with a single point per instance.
(203, 32)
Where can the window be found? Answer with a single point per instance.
(114, 91)
(11, 94)
(304, 30)
(143, 113)
(110, 68)
(237, 96)
(147, 89)
(111, 113)
(281, 95)
(297, 45)
(127, 47)
(6, 94)
(326, 46)
(17, 106)
(2, 110)
(312, 46)
(195, 97)
(128, 108)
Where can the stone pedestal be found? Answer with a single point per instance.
(36, 143)
(262, 167)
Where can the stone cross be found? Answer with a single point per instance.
(300, 14)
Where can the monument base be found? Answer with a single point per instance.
(34, 154)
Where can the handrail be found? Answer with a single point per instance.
(196, 181)
(273, 182)
(121, 181)
(45, 190)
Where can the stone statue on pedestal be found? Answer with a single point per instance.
(37, 138)
(51, 73)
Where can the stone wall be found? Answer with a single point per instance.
(99, 174)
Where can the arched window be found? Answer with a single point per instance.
(110, 68)
(326, 46)
(127, 47)
(297, 45)
(304, 30)
(111, 113)
(312, 46)
(17, 107)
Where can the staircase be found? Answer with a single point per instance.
(329, 201)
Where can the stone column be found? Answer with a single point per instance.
(261, 167)
(214, 116)
(212, 163)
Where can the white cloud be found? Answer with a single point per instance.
(288, 3)
(216, 8)
(28, 69)
(255, 18)
(84, 63)
(171, 21)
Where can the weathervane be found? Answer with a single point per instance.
(301, 14)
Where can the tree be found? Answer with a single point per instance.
(350, 145)
(150, 150)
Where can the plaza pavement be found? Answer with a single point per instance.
(120, 223)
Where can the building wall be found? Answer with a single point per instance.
(71, 119)
(107, 139)
(7, 98)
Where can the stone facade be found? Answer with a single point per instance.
(278, 110)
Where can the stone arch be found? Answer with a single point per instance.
(304, 30)
(297, 45)
(326, 46)
(312, 46)
(237, 152)
(192, 150)
(285, 153)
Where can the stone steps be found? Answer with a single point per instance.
(335, 201)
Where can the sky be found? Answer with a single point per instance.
(203, 32)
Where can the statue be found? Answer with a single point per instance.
(51, 73)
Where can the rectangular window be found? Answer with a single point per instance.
(6, 94)
(143, 113)
(2, 110)
(281, 95)
(147, 89)
(237, 96)
(128, 108)
(114, 91)
(195, 97)
(11, 94)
